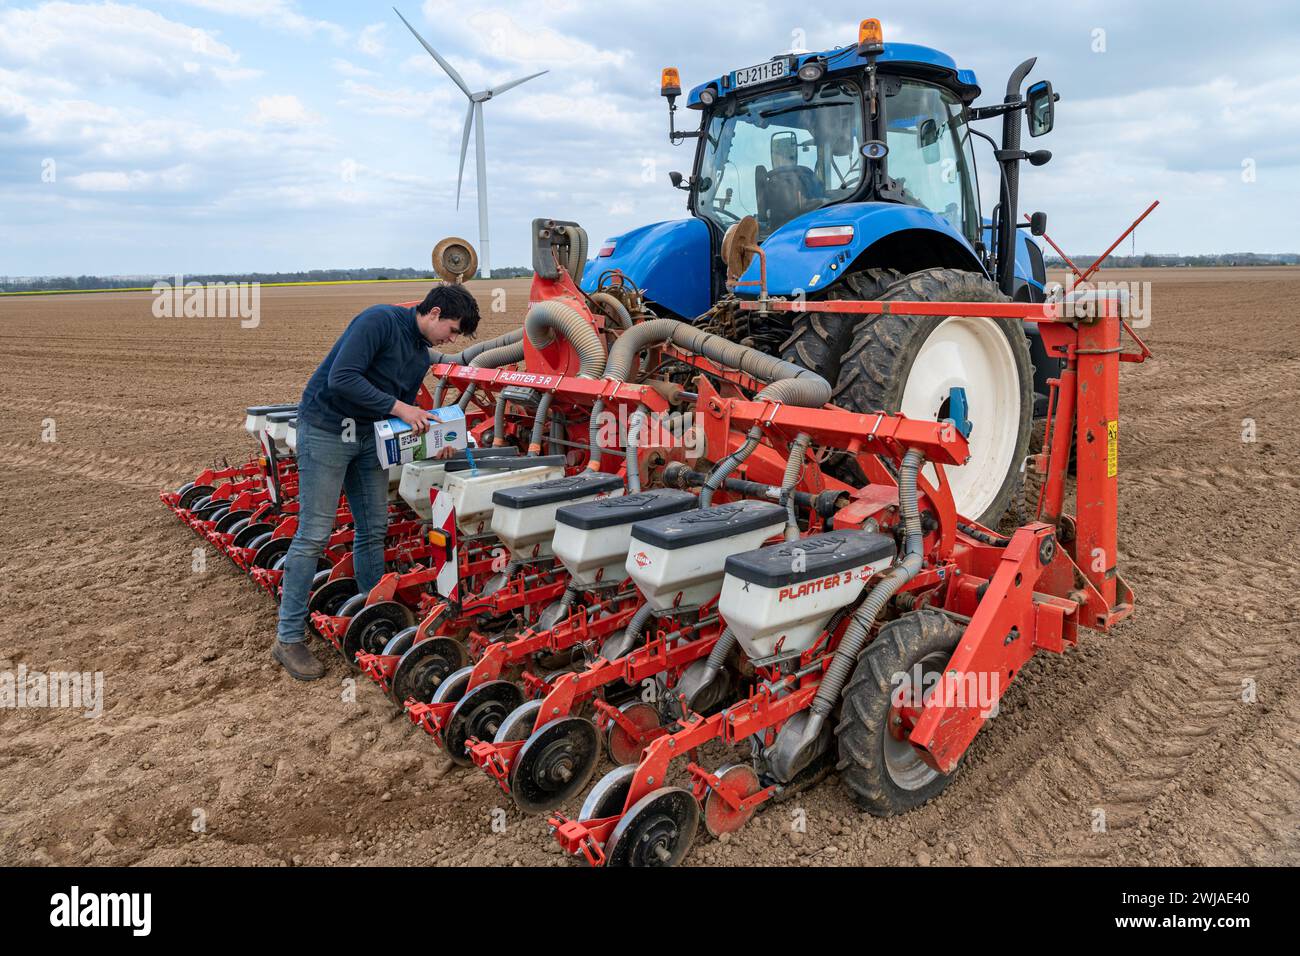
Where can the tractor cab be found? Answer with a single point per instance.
(779, 149)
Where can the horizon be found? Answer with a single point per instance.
(233, 137)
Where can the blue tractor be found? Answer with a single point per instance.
(854, 171)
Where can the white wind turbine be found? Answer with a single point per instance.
(474, 118)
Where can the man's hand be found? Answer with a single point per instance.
(413, 415)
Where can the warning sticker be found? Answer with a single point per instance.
(1112, 449)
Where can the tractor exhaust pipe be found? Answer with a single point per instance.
(1010, 193)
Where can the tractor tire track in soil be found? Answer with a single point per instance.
(1139, 747)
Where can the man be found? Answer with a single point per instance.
(373, 372)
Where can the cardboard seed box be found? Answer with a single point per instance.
(397, 445)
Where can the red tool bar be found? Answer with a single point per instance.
(940, 441)
(1025, 311)
(578, 388)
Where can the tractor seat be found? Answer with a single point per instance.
(791, 191)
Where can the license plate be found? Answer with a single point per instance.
(762, 73)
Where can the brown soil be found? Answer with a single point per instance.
(1147, 724)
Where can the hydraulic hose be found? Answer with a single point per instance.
(787, 382)
(539, 424)
(631, 635)
(549, 318)
(614, 307)
(499, 422)
(634, 426)
(793, 468)
(855, 635)
(729, 464)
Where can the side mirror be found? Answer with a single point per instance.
(677, 179)
(928, 139)
(1041, 108)
(1038, 223)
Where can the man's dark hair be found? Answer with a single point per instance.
(453, 302)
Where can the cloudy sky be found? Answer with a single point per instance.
(191, 136)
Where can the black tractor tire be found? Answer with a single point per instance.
(882, 349)
(820, 339)
(863, 733)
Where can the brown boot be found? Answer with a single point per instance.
(298, 661)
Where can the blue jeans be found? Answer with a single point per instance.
(327, 465)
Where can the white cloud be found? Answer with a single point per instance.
(281, 14)
(283, 111)
(348, 68)
(136, 180)
(370, 40)
(402, 102)
(67, 43)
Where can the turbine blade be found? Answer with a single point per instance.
(464, 147)
(498, 90)
(451, 71)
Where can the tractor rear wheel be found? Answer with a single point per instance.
(877, 762)
(818, 340)
(910, 364)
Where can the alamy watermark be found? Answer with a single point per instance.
(208, 300)
(74, 690)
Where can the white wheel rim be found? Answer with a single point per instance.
(970, 352)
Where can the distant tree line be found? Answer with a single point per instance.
(1153, 261)
(50, 283)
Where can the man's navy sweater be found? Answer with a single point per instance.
(381, 357)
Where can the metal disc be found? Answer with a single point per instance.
(373, 626)
(452, 689)
(657, 831)
(400, 642)
(519, 723)
(480, 714)
(609, 795)
(424, 668)
(352, 605)
(737, 243)
(554, 764)
(278, 563)
(230, 518)
(237, 526)
(330, 596)
(269, 550)
(221, 512)
(260, 540)
(250, 533)
(320, 580)
(719, 818)
(622, 747)
(192, 494)
(455, 260)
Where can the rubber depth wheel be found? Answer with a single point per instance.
(425, 667)
(230, 518)
(479, 714)
(250, 533)
(267, 552)
(885, 773)
(656, 831)
(373, 626)
(554, 764)
(909, 364)
(623, 748)
(192, 495)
